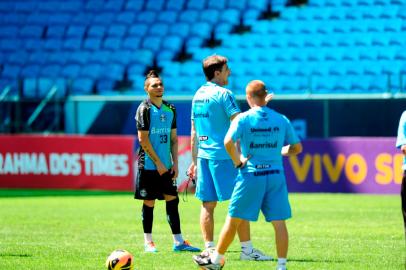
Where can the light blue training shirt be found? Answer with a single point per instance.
(262, 133)
(401, 139)
(212, 107)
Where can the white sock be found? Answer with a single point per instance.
(282, 262)
(178, 239)
(216, 257)
(209, 244)
(247, 247)
(147, 237)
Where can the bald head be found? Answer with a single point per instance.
(256, 92)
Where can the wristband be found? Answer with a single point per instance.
(239, 165)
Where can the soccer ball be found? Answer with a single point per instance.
(120, 260)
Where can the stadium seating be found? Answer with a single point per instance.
(325, 46)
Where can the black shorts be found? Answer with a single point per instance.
(150, 185)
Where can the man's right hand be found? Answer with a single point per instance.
(191, 171)
(160, 167)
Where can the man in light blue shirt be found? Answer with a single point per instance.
(265, 136)
(401, 143)
(213, 107)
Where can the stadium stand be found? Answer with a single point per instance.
(326, 46)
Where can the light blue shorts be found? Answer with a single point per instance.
(215, 179)
(265, 191)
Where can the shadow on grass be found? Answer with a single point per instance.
(15, 255)
(293, 259)
(12, 193)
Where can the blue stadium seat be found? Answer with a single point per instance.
(18, 58)
(359, 84)
(176, 5)
(96, 31)
(165, 55)
(389, 12)
(106, 87)
(370, 54)
(378, 84)
(172, 43)
(138, 29)
(72, 44)
(338, 69)
(167, 16)
(11, 71)
(117, 30)
(112, 43)
(352, 54)
(147, 16)
(30, 71)
(134, 5)
(37, 18)
(363, 40)
(114, 6)
(189, 16)
(387, 53)
(258, 4)
(59, 58)
(82, 86)
(91, 71)
(136, 69)
(190, 69)
(38, 58)
(71, 71)
(75, 31)
(92, 44)
(71, 6)
(122, 57)
(391, 67)
(381, 40)
(156, 5)
(126, 18)
(231, 16)
(152, 43)
(216, 4)
(159, 29)
(180, 29)
(143, 56)
(342, 84)
(8, 31)
(355, 68)
(393, 25)
(100, 57)
(322, 85)
(131, 43)
(195, 4)
(34, 31)
(78, 57)
(104, 18)
(238, 4)
(372, 68)
(250, 16)
(82, 18)
(200, 29)
(211, 16)
(60, 18)
(55, 31)
(400, 55)
(50, 71)
(53, 44)
(112, 71)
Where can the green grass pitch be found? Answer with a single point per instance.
(78, 229)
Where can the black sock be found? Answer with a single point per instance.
(147, 218)
(172, 214)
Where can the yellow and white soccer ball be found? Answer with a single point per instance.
(120, 260)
